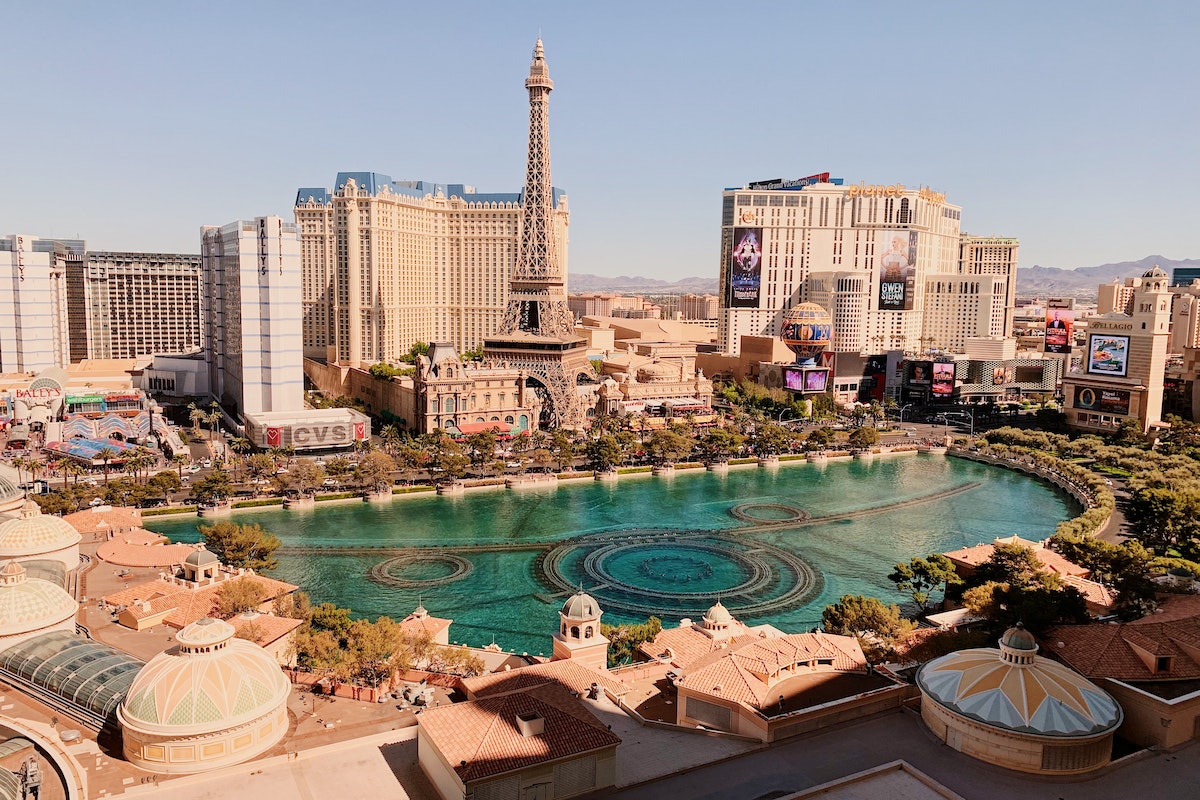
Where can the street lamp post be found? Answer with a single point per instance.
(904, 408)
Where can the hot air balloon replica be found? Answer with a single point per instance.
(806, 331)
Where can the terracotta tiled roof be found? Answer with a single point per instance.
(571, 675)
(1129, 652)
(1052, 561)
(187, 604)
(1096, 594)
(105, 518)
(271, 628)
(414, 625)
(686, 644)
(481, 739)
(746, 670)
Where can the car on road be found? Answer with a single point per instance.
(329, 482)
(282, 471)
(513, 464)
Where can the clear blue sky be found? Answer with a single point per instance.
(1074, 126)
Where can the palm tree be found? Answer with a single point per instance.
(71, 467)
(179, 459)
(19, 463)
(240, 446)
(197, 415)
(391, 438)
(213, 419)
(105, 454)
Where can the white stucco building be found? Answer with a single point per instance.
(252, 315)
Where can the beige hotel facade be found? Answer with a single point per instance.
(387, 263)
(888, 261)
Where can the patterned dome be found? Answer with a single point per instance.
(1016, 690)
(581, 606)
(806, 330)
(8, 490)
(30, 604)
(34, 533)
(718, 614)
(211, 682)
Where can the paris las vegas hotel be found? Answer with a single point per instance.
(888, 261)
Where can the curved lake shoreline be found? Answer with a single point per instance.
(503, 594)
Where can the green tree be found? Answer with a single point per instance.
(864, 438)
(329, 617)
(625, 639)
(668, 447)
(603, 453)
(304, 478)
(878, 626)
(921, 576)
(247, 546)
(720, 443)
(564, 449)
(375, 471)
(213, 489)
(234, 597)
(376, 650)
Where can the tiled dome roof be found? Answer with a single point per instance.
(34, 533)
(8, 490)
(581, 606)
(210, 683)
(30, 604)
(718, 614)
(1014, 689)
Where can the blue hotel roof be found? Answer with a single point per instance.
(375, 181)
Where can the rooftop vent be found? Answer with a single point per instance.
(531, 724)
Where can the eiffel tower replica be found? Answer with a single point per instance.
(537, 333)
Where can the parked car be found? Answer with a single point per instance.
(281, 471)
(329, 482)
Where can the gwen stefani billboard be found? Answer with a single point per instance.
(897, 270)
(745, 268)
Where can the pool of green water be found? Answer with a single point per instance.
(883, 511)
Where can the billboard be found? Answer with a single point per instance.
(805, 381)
(1108, 355)
(1002, 375)
(897, 270)
(920, 372)
(745, 268)
(943, 379)
(1109, 401)
(1060, 322)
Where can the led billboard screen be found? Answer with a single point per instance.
(897, 270)
(1060, 322)
(745, 268)
(1108, 355)
(943, 379)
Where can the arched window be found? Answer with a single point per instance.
(509, 419)
(587, 632)
(479, 419)
(574, 631)
(449, 405)
(487, 400)
(564, 629)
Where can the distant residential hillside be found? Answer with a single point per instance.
(1082, 282)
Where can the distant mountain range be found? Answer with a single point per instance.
(1035, 281)
(579, 282)
(1082, 282)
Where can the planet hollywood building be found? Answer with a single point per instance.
(888, 261)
